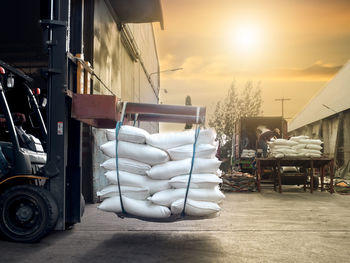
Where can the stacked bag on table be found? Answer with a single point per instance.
(154, 171)
(299, 146)
(248, 153)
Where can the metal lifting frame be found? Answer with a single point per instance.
(164, 113)
(103, 111)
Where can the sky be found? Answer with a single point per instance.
(291, 47)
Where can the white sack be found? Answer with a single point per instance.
(197, 181)
(138, 181)
(298, 138)
(207, 136)
(194, 208)
(127, 165)
(285, 150)
(167, 197)
(135, 207)
(138, 152)
(170, 140)
(309, 151)
(313, 147)
(173, 168)
(299, 146)
(284, 142)
(278, 155)
(279, 146)
(128, 134)
(309, 141)
(183, 152)
(140, 193)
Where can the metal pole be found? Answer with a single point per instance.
(282, 102)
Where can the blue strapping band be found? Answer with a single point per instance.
(190, 173)
(117, 128)
(135, 120)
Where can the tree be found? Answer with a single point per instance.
(229, 110)
(234, 106)
(188, 102)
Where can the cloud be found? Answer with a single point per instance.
(317, 71)
(219, 67)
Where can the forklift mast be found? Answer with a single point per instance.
(64, 133)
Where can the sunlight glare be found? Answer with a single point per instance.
(247, 37)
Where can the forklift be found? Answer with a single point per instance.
(27, 210)
(41, 165)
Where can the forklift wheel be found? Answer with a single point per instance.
(27, 213)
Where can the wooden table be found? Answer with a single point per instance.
(311, 163)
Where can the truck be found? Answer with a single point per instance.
(246, 147)
(246, 137)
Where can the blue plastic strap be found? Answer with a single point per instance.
(117, 128)
(135, 120)
(190, 173)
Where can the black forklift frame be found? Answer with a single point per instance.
(64, 133)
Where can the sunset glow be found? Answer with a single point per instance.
(293, 49)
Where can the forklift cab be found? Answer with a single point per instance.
(27, 210)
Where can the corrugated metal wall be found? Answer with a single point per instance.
(334, 131)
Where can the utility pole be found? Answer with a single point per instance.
(282, 100)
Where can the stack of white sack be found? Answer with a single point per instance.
(300, 146)
(307, 147)
(248, 153)
(162, 167)
(134, 159)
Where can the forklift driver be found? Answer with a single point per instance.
(25, 141)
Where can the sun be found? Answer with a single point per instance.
(247, 37)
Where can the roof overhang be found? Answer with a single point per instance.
(138, 11)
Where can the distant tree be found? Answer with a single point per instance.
(188, 102)
(227, 111)
(234, 106)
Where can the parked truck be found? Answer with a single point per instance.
(247, 130)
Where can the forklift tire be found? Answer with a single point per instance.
(27, 213)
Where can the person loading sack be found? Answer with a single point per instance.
(265, 137)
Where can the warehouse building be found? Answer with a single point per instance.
(327, 116)
(127, 63)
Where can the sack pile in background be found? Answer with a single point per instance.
(300, 146)
(154, 171)
(248, 153)
(238, 182)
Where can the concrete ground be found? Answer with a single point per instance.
(253, 227)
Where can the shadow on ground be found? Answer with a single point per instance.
(155, 247)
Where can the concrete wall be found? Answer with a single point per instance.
(125, 75)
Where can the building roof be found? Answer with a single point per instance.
(333, 98)
(138, 11)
